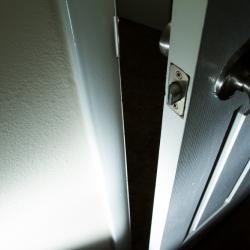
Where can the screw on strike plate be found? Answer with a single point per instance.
(175, 106)
(178, 74)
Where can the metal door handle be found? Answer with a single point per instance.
(164, 40)
(235, 81)
(235, 76)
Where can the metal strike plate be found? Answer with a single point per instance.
(177, 89)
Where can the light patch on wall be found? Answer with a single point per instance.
(54, 210)
(51, 196)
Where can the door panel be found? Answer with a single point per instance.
(183, 53)
(243, 188)
(228, 177)
(208, 118)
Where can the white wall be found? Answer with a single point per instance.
(153, 13)
(53, 194)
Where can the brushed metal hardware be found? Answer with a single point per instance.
(164, 40)
(177, 89)
(176, 92)
(235, 75)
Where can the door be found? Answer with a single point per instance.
(203, 165)
(63, 181)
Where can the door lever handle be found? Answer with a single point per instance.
(235, 75)
(233, 82)
(164, 40)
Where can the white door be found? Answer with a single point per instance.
(205, 139)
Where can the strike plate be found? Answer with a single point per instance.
(178, 76)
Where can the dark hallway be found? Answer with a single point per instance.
(143, 79)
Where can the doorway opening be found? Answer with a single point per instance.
(143, 74)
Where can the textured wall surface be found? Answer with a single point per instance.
(50, 192)
(152, 13)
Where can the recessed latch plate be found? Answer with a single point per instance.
(177, 89)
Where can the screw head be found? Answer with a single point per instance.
(178, 74)
(175, 106)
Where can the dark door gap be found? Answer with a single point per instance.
(143, 73)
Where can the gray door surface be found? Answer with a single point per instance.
(204, 153)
